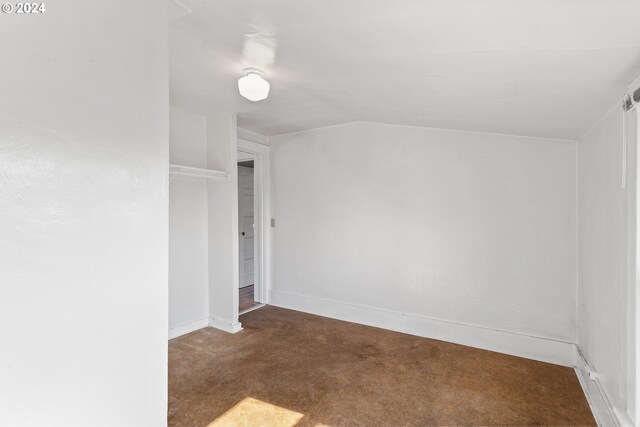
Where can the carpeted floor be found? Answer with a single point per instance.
(289, 368)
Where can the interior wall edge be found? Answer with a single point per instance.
(188, 328)
(577, 243)
(600, 120)
(603, 411)
(512, 343)
(602, 254)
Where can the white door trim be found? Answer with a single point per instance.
(262, 232)
(631, 123)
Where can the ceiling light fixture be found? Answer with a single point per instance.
(252, 86)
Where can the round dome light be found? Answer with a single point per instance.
(253, 86)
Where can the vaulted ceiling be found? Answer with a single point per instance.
(528, 67)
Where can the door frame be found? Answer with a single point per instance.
(262, 217)
(631, 185)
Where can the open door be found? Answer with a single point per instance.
(247, 242)
(246, 223)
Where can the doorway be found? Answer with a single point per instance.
(250, 231)
(246, 227)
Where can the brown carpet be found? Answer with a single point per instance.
(289, 368)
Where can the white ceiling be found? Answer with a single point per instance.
(528, 67)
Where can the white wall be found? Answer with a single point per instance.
(203, 219)
(222, 154)
(470, 228)
(83, 215)
(602, 307)
(188, 226)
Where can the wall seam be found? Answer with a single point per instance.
(549, 138)
(577, 328)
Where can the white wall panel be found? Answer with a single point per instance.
(470, 228)
(602, 222)
(83, 215)
(188, 226)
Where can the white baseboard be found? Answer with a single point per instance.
(225, 325)
(603, 411)
(188, 327)
(203, 323)
(530, 347)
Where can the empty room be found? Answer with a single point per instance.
(319, 213)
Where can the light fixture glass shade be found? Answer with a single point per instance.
(253, 86)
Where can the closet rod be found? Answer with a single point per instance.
(215, 175)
